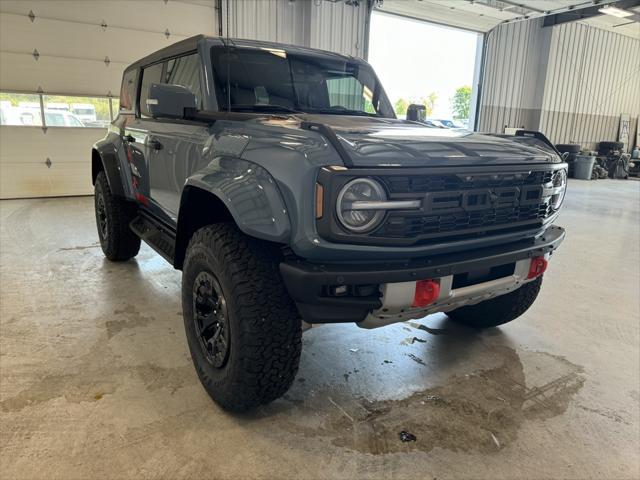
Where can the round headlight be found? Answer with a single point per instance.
(559, 180)
(352, 213)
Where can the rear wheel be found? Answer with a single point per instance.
(499, 310)
(243, 329)
(113, 216)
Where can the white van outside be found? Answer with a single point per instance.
(84, 111)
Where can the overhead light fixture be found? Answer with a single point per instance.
(614, 11)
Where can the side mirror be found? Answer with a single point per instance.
(169, 101)
(416, 113)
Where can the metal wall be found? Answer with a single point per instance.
(270, 20)
(514, 72)
(570, 81)
(335, 26)
(593, 78)
(339, 27)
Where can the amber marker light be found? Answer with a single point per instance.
(319, 200)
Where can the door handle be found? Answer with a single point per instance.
(154, 143)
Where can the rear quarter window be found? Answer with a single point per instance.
(128, 90)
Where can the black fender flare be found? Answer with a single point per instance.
(104, 156)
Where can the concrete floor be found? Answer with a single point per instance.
(96, 379)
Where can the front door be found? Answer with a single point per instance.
(171, 147)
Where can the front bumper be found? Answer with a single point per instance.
(309, 283)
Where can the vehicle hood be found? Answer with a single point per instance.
(384, 142)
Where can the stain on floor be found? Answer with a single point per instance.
(478, 412)
(126, 318)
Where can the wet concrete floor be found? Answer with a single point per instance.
(96, 379)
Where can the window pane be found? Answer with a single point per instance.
(115, 107)
(20, 109)
(68, 111)
(185, 71)
(152, 74)
(128, 90)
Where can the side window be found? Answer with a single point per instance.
(152, 74)
(185, 71)
(128, 90)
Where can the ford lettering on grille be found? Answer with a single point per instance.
(481, 199)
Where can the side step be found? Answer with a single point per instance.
(158, 236)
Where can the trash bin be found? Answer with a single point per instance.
(583, 167)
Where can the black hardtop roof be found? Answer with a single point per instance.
(191, 44)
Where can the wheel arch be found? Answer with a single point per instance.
(250, 199)
(198, 208)
(104, 158)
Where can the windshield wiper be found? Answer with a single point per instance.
(264, 108)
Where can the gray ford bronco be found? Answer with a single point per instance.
(278, 179)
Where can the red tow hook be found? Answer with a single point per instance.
(427, 292)
(537, 267)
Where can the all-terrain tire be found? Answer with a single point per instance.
(606, 147)
(113, 215)
(499, 310)
(568, 147)
(263, 326)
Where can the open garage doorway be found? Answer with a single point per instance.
(434, 65)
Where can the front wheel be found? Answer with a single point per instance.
(243, 329)
(499, 310)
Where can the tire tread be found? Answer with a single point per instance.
(122, 244)
(499, 310)
(270, 335)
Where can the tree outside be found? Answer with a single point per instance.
(429, 102)
(400, 106)
(461, 102)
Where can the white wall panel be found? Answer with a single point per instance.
(86, 41)
(181, 18)
(19, 72)
(73, 44)
(24, 151)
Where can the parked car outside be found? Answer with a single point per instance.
(86, 112)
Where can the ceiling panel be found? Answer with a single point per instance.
(483, 15)
(618, 25)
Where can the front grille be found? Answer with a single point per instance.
(437, 183)
(444, 223)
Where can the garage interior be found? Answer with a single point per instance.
(96, 378)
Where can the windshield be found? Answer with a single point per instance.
(269, 79)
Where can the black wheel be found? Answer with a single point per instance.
(243, 330)
(499, 310)
(568, 147)
(113, 215)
